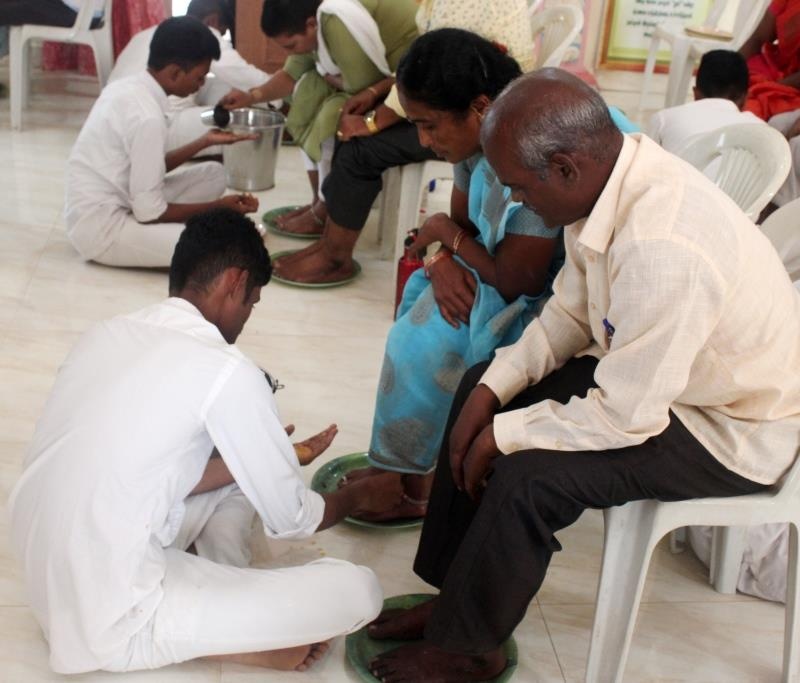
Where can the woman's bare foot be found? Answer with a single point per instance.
(298, 658)
(309, 222)
(407, 508)
(317, 267)
(402, 624)
(280, 220)
(425, 663)
(360, 473)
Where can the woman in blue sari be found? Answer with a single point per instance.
(486, 282)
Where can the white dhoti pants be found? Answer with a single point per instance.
(210, 608)
(323, 166)
(150, 245)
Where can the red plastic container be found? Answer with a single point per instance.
(406, 265)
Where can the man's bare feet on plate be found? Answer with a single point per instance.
(402, 624)
(280, 220)
(425, 663)
(298, 658)
(316, 266)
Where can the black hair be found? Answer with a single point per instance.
(448, 68)
(200, 9)
(723, 73)
(184, 41)
(213, 241)
(286, 17)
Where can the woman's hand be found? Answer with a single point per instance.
(351, 126)
(361, 103)
(454, 290)
(237, 99)
(437, 228)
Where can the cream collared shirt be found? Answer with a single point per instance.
(705, 320)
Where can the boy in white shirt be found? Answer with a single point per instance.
(719, 94)
(125, 203)
(227, 72)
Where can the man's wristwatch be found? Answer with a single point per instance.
(369, 120)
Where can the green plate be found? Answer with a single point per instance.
(313, 285)
(361, 649)
(326, 480)
(269, 217)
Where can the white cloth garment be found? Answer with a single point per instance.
(361, 26)
(117, 167)
(791, 188)
(125, 436)
(688, 308)
(183, 113)
(672, 128)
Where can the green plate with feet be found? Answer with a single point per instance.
(270, 217)
(326, 480)
(313, 285)
(361, 649)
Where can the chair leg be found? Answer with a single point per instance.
(649, 69)
(389, 210)
(19, 73)
(727, 548)
(103, 56)
(679, 64)
(790, 656)
(627, 549)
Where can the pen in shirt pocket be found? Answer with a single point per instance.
(609, 331)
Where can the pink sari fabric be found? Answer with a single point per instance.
(129, 17)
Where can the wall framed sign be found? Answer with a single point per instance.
(628, 26)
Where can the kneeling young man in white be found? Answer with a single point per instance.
(110, 497)
(127, 200)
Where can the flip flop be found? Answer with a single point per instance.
(326, 480)
(270, 217)
(361, 649)
(314, 285)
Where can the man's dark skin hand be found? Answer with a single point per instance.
(470, 448)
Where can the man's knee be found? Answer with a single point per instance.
(360, 590)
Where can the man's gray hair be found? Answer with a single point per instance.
(577, 120)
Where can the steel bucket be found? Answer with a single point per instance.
(250, 164)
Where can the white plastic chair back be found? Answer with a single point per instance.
(99, 39)
(554, 28)
(782, 227)
(632, 532)
(746, 161)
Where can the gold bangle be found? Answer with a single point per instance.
(458, 239)
(438, 256)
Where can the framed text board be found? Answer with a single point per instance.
(628, 28)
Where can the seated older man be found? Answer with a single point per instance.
(666, 365)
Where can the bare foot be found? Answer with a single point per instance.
(280, 220)
(309, 222)
(407, 508)
(297, 658)
(360, 473)
(402, 624)
(317, 266)
(425, 663)
(282, 262)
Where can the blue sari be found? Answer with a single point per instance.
(426, 357)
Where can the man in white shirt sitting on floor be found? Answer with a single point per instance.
(126, 198)
(229, 71)
(666, 366)
(121, 464)
(719, 94)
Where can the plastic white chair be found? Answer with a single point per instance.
(748, 162)
(632, 532)
(782, 227)
(99, 39)
(687, 50)
(555, 29)
(403, 191)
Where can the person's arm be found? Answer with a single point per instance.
(766, 32)
(279, 86)
(180, 213)
(237, 72)
(181, 155)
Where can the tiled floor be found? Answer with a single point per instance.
(326, 346)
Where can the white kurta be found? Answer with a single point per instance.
(117, 179)
(125, 435)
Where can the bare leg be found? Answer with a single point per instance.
(331, 259)
(308, 222)
(313, 180)
(297, 658)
